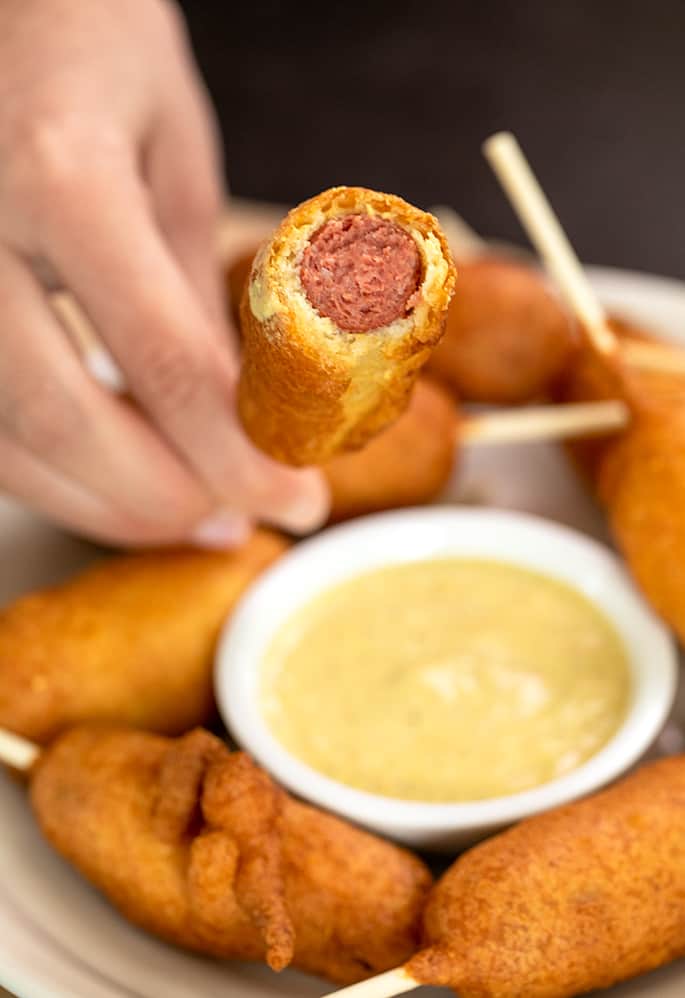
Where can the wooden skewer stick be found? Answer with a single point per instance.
(514, 173)
(394, 982)
(544, 422)
(512, 169)
(545, 232)
(95, 356)
(17, 752)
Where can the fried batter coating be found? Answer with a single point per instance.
(580, 898)
(652, 389)
(309, 387)
(639, 473)
(507, 337)
(641, 481)
(129, 640)
(591, 378)
(197, 845)
(407, 464)
(237, 274)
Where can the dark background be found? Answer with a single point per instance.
(399, 96)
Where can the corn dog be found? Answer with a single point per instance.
(580, 898)
(639, 474)
(641, 481)
(507, 337)
(197, 845)
(129, 640)
(342, 309)
(406, 464)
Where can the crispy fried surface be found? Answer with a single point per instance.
(579, 898)
(129, 640)
(407, 464)
(308, 390)
(506, 337)
(198, 846)
(641, 480)
(639, 474)
(590, 378)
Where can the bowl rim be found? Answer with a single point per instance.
(237, 674)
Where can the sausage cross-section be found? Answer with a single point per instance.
(343, 306)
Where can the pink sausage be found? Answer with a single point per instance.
(362, 272)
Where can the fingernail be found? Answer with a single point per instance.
(102, 367)
(308, 510)
(221, 530)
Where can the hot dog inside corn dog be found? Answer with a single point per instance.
(343, 306)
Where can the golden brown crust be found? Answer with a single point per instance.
(224, 862)
(576, 899)
(506, 337)
(129, 640)
(639, 474)
(357, 900)
(641, 480)
(591, 378)
(407, 464)
(309, 390)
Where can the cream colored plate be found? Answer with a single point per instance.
(58, 939)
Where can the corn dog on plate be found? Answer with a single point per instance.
(61, 939)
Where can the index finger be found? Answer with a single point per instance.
(102, 239)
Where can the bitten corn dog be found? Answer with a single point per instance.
(407, 463)
(342, 309)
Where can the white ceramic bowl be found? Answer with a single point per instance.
(433, 532)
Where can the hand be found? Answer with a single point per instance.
(109, 187)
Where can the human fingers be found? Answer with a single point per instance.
(182, 169)
(101, 237)
(52, 408)
(45, 490)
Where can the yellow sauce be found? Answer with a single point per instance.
(446, 680)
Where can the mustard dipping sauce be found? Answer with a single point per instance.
(446, 680)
